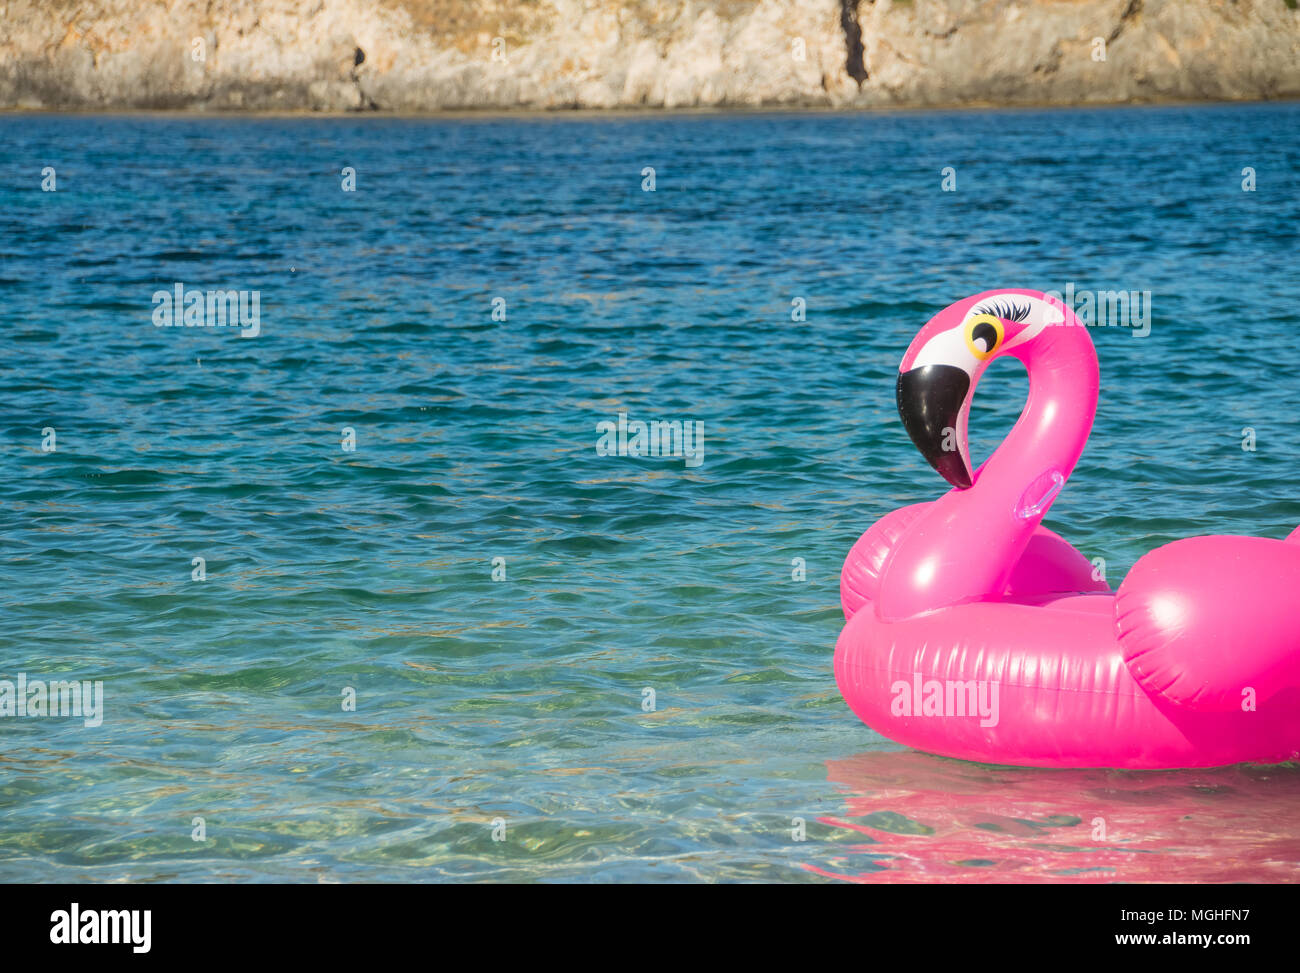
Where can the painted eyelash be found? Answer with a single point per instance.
(1009, 311)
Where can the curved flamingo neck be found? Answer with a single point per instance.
(931, 566)
(1053, 428)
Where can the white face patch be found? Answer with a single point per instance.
(948, 348)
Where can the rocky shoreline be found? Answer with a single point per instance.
(416, 56)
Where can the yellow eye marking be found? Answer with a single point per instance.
(984, 334)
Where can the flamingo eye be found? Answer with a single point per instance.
(984, 333)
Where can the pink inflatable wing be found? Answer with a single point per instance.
(975, 632)
(1213, 623)
(1050, 564)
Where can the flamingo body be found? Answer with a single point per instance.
(975, 632)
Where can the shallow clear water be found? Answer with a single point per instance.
(522, 699)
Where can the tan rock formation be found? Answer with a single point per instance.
(429, 55)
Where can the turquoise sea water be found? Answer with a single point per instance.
(521, 702)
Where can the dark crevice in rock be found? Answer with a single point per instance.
(1053, 62)
(364, 101)
(853, 40)
(1131, 11)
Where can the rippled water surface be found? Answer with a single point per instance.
(524, 701)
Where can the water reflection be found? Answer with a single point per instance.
(929, 819)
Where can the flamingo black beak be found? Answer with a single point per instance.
(930, 399)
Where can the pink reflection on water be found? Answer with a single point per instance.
(929, 819)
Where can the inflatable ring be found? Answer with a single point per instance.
(974, 632)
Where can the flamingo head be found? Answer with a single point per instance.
(943, 364)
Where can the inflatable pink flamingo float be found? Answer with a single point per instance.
(975, 632)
